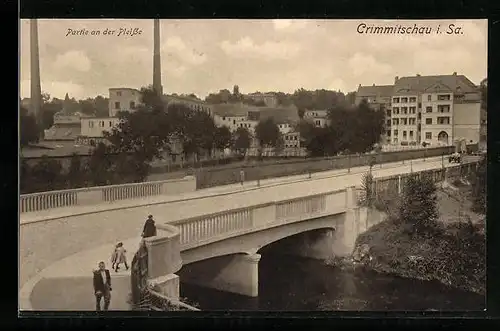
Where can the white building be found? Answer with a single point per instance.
(191, 103)
(123, 99)
(317, 117)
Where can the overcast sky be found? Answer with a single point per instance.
(203, 56)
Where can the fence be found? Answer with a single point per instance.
(102, 194)
(283, 167)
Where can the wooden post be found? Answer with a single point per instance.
(399, 184)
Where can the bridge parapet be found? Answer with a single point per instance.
(103, 194)
(206, 229)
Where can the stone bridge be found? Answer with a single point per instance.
(206, 230)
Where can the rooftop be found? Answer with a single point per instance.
(444, 83)
(54, 149)
(375, 91)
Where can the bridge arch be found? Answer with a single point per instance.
(251, 243)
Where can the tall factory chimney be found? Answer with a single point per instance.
(36, 90)
(156, 59)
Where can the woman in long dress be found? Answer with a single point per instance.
(120, 257)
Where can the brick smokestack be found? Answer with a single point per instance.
(156, 58)
(36, 89)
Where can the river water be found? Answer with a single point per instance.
(295, 283)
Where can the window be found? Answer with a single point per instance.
(428, 109)
(395, 121)
(395, 100)
(428, 121)
(388, 112)
(404, 121)
(404, 110)
(429, 97)
(224, 118)
(443, 108)
(428, 135)
(404, 100)
(317, 123)
(119, 93)
(395, 110)
(412, 121)
(388, 133)
(132, 104)
(443, 97)
(419, 116)
(388, 123)
(396, 132)
(413, 110)
(404, 134)
(101, 124)
(117, 105)
(110, 124)
(234, 121)
(411, 134)
(419, 105)
(443, 120)
(91, 124)
(413, 99)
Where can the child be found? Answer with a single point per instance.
(120, 256)
(114, 256)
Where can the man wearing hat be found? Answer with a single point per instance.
(149, 228)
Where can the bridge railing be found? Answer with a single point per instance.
(209, 228)
(103, 194)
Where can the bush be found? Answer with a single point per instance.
(419, 205)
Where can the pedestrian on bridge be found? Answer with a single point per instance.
(102, 286)
(242, 176)
(120, 256)
(149, 228)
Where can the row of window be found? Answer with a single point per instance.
(119, 93)
(404, 110)
(100, 123)
(440, 97)
(404, 100)
(131, 104)
(428, 135)
(404, 121)
(291, 138)
(412, 121)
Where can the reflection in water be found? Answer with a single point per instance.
(294, 283)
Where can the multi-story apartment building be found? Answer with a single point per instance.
(437, 110)
(378, 97)
(123, 99)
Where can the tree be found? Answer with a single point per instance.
(267, 133)
(222, 138)
(46, 175)
(241, 140)
(199, 133)
(99, 166)
(29, 131)
(75, 178)
(483, 88)
(418, 207)
(350, 98)
(479, 187)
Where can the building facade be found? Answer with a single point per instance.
(429, 110)
(123, 99)
(191, 103)
(269, 99)
(317, 117)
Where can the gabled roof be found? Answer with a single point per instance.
(230, 110)
(375, 91)
(440, 83)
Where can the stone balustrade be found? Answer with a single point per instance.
(103, 194)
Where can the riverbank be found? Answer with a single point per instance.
(454, 255)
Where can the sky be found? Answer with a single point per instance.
(204, 56)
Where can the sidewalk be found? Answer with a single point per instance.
(67, 284)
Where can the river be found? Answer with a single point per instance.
(294, 283)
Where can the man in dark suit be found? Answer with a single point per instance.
(102, 286)
(149, 229)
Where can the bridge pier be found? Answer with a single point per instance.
(237, 273)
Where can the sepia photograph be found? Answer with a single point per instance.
(252, 165)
